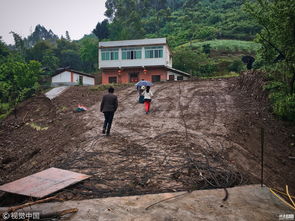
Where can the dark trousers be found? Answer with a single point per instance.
(108, 119)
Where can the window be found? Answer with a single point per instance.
(131, 53)
(156, 78)
(109, 54)
(154, 52)
(179, 78)
(112, 80)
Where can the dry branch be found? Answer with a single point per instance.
(15, 208)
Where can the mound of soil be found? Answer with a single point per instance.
(199, 135)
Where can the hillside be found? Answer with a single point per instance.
(199, 135)
(179, 20)
(213, 57)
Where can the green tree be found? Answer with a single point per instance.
(40, 33)
(68, 36)
(50, 62)
(277, 19)
(89, 54)
(4, 51)
(38, 51)
(102, 30)
(71, 59)
(19, 44)
(18, 81)
(191, 61)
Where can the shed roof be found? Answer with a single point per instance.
(138, 42)
(178, 71)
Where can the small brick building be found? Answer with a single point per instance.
(66, 76)
(132, 60)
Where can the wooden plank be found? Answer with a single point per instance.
(43, 183)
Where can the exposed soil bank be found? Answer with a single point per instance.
(199, 135)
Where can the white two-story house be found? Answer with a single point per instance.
(132, 60)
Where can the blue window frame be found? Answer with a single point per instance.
(109, 54)
(131, 53)
(154, 52)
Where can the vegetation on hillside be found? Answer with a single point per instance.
(178, 20)
(18, 79)
(277, 54)
(213, 57)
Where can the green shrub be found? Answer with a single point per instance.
(283, 105)
(4, 107)
(274, 85)
(235, 66)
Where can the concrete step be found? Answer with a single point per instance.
(250, 202)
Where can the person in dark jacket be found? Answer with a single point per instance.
(108, 106)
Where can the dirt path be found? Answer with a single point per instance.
(184, 143)
(199, 134)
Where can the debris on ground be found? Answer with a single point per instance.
(80, 108)
(200, 134)
(43, 183)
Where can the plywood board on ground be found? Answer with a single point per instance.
(44, 183)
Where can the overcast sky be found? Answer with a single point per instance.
(79, 17)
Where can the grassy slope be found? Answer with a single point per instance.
(228, 45)
(225, 52)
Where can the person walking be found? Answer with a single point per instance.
(108, 106)
(147, 99)
(141, 97)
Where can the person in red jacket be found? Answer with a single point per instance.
(108, 106)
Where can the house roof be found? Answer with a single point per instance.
(138, 42)
(178, 71)
(70, 70)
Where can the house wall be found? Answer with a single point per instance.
(124, 76)
(62, 77)
(86, 80)
(71, 78)
(176, 75)
(168, 57)
(143, 62)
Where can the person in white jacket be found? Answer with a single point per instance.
(147, 99)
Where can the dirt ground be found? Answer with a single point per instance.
(199, 135)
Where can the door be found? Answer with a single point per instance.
(80, 80)
(112, 80)
(171, 77)
(133, 77)
(156, 78)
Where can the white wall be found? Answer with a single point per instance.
(167, 56)
(64, 78)
(86, 80)
(176, 75)
(137, 62)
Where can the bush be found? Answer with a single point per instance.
(283, 105)
(206, 33)
(206, 70)
(235, 66)
(18, 81)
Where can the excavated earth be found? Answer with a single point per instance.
(200, 134)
